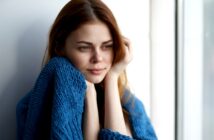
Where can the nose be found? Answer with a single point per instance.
(97, 56)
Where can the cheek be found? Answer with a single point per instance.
(110, 58)
(78, 61)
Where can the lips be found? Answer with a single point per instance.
(96, 71)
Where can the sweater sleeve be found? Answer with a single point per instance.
(141, 125)
(108, 134)
(21, 115)
(53, 109)
(68, 103)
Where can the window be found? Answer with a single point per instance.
(196, 71)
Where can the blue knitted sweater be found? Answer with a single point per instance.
(53, 109)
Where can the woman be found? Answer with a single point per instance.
(86, 33)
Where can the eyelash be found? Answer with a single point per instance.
(84, 48)
(88, 48)
(107, 46)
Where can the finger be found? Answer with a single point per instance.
(128, 45)
(128, 49)
(126, 41)
(128, 53)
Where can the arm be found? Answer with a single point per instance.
(62, 85)
(91, 125)
(114, 118)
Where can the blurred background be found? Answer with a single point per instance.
(172, 71)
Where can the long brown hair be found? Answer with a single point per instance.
(76, 13)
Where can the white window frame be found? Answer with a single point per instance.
(163, 68)
(190, 63)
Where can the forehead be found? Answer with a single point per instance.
(92, 32)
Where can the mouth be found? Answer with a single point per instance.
(96, 71)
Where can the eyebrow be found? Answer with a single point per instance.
(89, 43)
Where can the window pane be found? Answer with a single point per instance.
(196, 44)
(208, 96)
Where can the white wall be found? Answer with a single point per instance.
(24, 26)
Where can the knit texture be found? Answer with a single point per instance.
(53, 109)
(142, 128)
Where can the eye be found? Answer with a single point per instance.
(84, 48)
(107, 47)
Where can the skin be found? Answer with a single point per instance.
(90, 49)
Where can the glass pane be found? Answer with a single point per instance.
(208, 96)
(196, 70)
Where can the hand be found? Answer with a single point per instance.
(90, 91)
(114, 117)
(121, 65)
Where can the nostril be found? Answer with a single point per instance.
(96, 58)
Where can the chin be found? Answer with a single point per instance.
(95, 80)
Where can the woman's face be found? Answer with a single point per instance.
(90, 49)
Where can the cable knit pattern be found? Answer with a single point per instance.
(107, 134)
(53, 109)
(142, 128)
